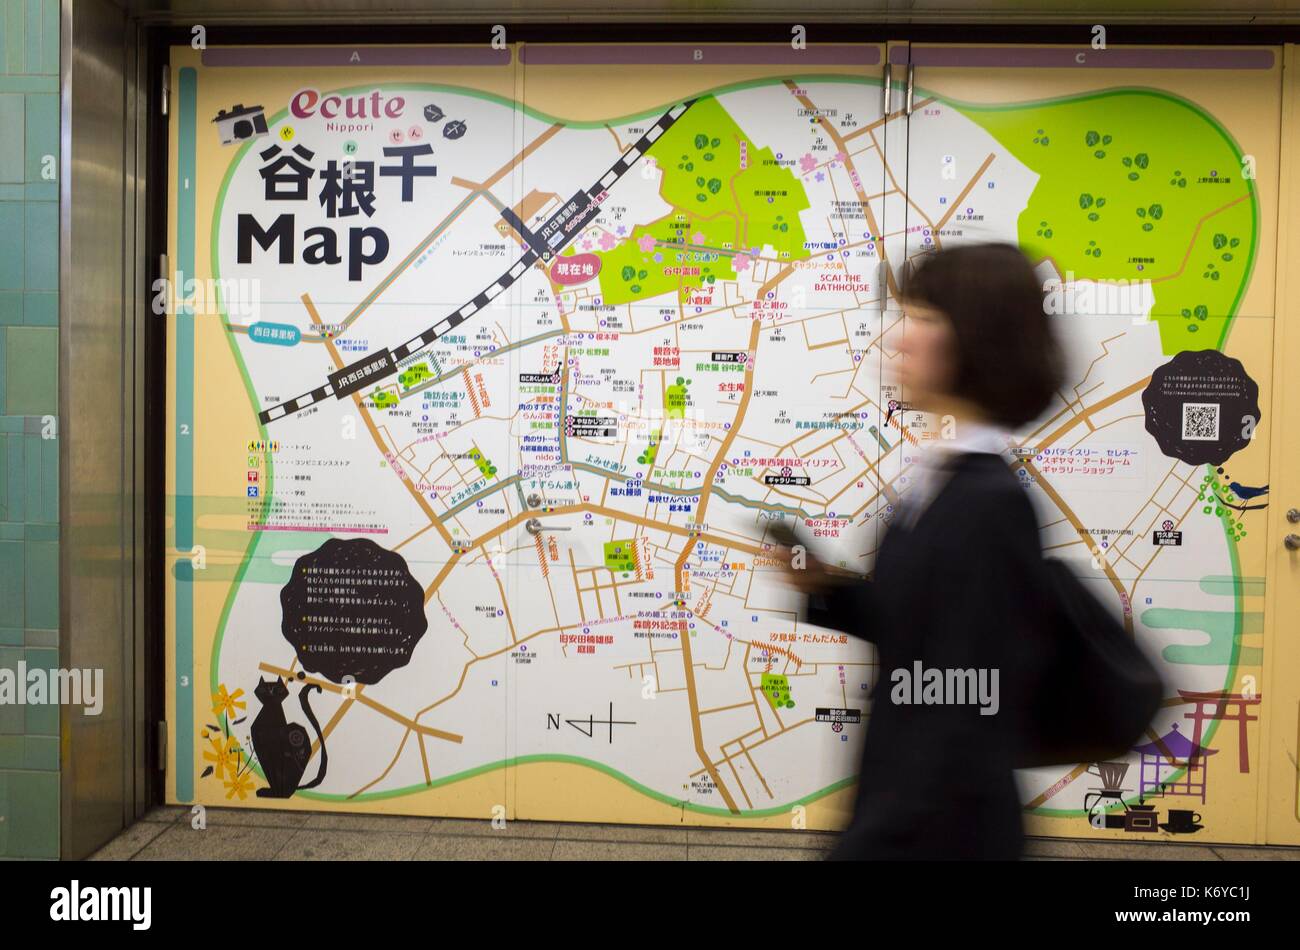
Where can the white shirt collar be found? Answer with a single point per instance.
(970, 437)
(927, 476)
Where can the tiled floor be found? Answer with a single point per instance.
(259, 835)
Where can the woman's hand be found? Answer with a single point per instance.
(803, 571)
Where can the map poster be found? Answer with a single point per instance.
(493, 371)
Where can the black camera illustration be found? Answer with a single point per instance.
(240, 123)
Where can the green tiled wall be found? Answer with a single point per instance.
(29, 399)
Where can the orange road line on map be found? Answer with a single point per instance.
(442, 576)
(781, 275)
(509, 166)
(776, 648)
(823, 346)
(705, 712)
(374, 432)
(679, 569)
(843, 148)
(618, 604)
(424, 759)
(1096, 406)
(964, 192)
(469, 391)
(334, 721)
(768, 737)
(413, 537)
(1086, 535)
(754, 765)
(617, 142)
(1074, 773)
(621, 516)
(419, 248)
(541, 556)
(1069, 515)
(577, 586)
(896, 422)
(1065, 509)
(505, 605)
(366, 701)
(392, 763)
(397, 270)
(749, 802)
(883, 119)
(1192, 243)
(1083, 767)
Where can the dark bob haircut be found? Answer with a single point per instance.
(1008, 361)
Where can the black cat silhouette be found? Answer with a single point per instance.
(284, 748)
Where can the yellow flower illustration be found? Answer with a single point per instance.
(224, 755)
(228, 703)
(240, 785)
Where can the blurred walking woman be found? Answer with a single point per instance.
(952, 586)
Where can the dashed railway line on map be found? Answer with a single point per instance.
(543, 244)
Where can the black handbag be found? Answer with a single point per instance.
(1092, 692)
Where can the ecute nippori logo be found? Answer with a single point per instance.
(372, 105)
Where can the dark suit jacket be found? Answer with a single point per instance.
(954, 592)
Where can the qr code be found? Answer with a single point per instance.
(1201, 421)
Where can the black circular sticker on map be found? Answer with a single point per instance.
(351, 608)
(1201, 407)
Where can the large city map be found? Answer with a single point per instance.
(483, 412)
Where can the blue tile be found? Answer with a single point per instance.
(15, 501)
(11, 142)
(28, 83)
(12, 307)
(12, 258)
(51, 23)
(34, 45)
(35, 531)
(49, 639)
(34, 494)
(13, 584)
(42, 235)
(41, 753)
(50, 464)
(42, 136)
(15, 35)
(42, 720)
(29, 800)
(42, 480)
(41, 309)
(41, 659)
(42, 585)
(12, 716)
(31, 370)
